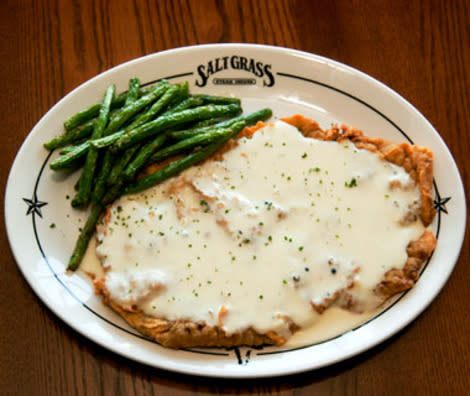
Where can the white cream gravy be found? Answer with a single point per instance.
(282, 222)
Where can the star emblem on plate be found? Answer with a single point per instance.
(34, 205)
(440, 203)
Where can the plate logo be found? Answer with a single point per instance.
(258, 69)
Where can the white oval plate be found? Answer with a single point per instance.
(42, 227)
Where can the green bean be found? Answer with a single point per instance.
(156, 107)
(71, 136)
(133, 108)
(84, 189)
(181, 164)
(74, 136)
(77, 183)
(91, 112)
(121, 164)
(71, 156)
(113, 193)
(141, 121)
(113, 174)
(109, 163)
(69, 149)
(202, 139)
(145, 153)
(149, 148)
(183, 105)
(111, 139)
(74, 148)
(129, 138)
(142, 157)
(102, 177)
(84, 238)
(78, 150)
(212, 99)
(205, 123)
(182, 94)
(197, 100)
(260, 115)
(134, 91)
(198, 124)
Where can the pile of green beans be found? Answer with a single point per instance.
(114, 140)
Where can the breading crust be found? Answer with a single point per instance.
(185, 333)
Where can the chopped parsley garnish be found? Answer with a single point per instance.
(352, 183)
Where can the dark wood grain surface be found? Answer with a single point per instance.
(421, 49)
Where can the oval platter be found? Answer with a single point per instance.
(42, 227)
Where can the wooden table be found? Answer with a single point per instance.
(419, 48)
